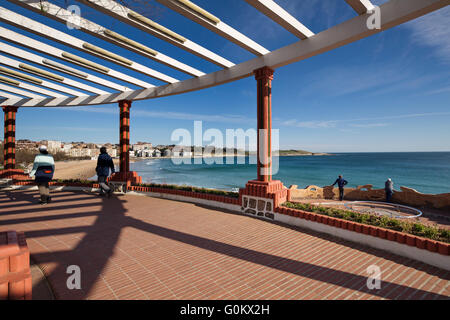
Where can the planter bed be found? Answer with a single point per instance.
(391, 229)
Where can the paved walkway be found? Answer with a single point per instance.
(133, 247)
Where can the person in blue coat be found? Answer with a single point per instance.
(104, 165)
(43, 170)
(389, 189)
(341, 182)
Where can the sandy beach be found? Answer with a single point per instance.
(81, 169)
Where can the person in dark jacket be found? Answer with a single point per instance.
(341, 183)
(104, 164)
(43, 169)
(389, 189)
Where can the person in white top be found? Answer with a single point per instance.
(43, 170)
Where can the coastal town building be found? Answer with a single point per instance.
(142, 146)
(54, 146)
(66, 147)
(25, 144)
(157, 153)
(112, 152)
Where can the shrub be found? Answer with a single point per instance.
(416, 228)
(192, 189)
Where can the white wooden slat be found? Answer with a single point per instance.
(116, 10)
(221, 28)
(33, 44)
(49, 33)
(62, 15)
(275, 12)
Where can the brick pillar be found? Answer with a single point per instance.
(9, 143)
(263, 196)
(264, 77)
(125, 175)
(125, 107)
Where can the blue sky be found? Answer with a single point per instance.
(389, 92)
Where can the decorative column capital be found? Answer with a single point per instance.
(10, 109)
(125, 103)
(264, 73)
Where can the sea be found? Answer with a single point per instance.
(426, 172)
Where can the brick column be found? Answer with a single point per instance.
(125, 175)
(125, 107)
(9, 143)
(262, 197)
(264, 77)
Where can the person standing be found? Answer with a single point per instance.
(341, 183)
(43, 170)
(104, 164)
(389, 189)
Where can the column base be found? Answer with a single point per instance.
(261, 198)
(15, 174)
(130, 178)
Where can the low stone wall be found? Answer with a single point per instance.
(406, 196)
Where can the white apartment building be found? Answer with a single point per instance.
(66, 147)
(142, 146)
(112, 152)
(53, 146)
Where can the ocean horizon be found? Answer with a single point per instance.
(426, 172)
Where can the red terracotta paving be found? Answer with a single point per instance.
(133, 247)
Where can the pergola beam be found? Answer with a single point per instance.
(217, 26)
(33, 44)
(361, 6)
(272, 10)
(62, 15)
(47, 32)
(115, 10)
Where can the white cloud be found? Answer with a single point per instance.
(324, 124)
(225, 118)
(370, 125)
(339, 81)
(310, 124)
(432, 30)
(439, 91)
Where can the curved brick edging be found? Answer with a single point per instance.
(426, 250)
(196, 200)
(190, 194)
(57, 184)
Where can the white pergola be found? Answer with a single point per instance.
(25, 85)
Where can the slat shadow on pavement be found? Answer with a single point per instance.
(135, 247)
